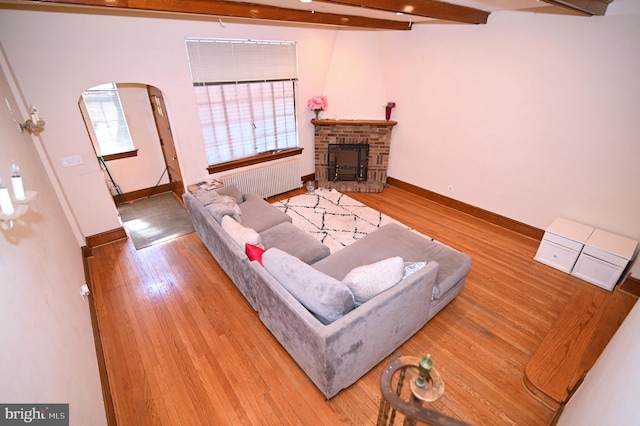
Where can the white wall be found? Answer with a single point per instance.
(48, 354)
(355, 85)
(531, 116)
(90, 51)
(609, 393)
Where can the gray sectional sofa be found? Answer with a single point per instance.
(298, 288)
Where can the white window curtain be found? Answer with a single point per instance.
(245, 93)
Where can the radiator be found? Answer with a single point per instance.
(267, 181)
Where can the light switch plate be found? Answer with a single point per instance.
(74, 160)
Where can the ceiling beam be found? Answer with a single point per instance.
(234, 9)
(427, 8)
(586, 7)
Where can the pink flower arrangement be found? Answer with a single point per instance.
(318, 103)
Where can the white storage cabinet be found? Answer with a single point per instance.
(604, 258)
(561, 244)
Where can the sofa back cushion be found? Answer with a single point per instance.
(327, 298)
(260, 215)
(224, 206)
(219, 205)
(293, 240)
(231, 191)
(207, 197)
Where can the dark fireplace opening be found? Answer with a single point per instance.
(348, 162)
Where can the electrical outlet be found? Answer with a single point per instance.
(84, 291)
(450, 189)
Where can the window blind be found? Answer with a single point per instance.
(215, 61)
(241, 120)
(245, 92)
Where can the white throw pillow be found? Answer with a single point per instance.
(412, 267)
(240, 234)
(370, 280)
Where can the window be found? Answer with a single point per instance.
(108, 120)
(245, 93)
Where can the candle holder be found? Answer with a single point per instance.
(33, 128)
(34, 125)
(8, 221)
(428, 386)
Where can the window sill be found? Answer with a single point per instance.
(120, 155)
(256, 159)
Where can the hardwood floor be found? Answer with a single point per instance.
(182, 346)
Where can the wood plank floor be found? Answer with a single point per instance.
(183, 347)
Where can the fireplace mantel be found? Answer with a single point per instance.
(375, 133)
(334, 122)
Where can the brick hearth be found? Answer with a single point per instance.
(373, 132)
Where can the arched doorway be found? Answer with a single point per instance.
(129, 127)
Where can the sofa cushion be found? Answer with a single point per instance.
(231, 202)
(327, 298)
(387, 241)
(367, 281)
(293, 240)
(231, 191)
(394, 240)
(207, 197)
(240, 234)
(260, 215)
(223, 205)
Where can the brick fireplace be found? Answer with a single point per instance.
(374, 133)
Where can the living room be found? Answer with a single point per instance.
(531, 116)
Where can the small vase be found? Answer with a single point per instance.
(317, 111)
(311, 187)
(387, 113)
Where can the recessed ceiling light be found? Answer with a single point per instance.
(306, 1)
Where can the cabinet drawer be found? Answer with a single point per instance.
(556, 255)
(597, 271)
(605, 255)
(563, 241)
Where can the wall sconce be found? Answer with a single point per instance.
(34, 125)
(9, 212)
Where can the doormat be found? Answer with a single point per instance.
(155, 220)
(333, 218)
